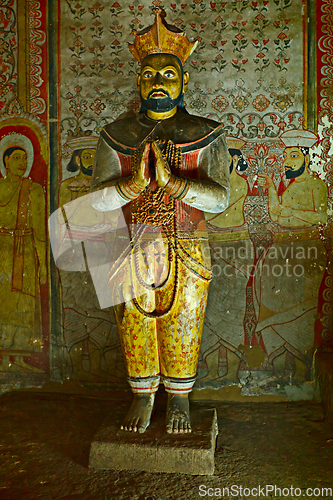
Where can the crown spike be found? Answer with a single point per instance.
(161, 38)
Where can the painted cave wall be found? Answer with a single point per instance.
(261, 68)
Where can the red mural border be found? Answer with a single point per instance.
(40, 174)
(324, 67)
(44, 55)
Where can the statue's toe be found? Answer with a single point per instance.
(169, 427)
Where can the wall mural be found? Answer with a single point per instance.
(270, 302)
(8, 51)
(24, 163)
(23, 246)
(90, 334)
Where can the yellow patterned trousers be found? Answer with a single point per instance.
(161, 330)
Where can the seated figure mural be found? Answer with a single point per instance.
(165, 168)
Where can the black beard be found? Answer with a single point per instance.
(292, 174)
(86, 171)
(161, 105)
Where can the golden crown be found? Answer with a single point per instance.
(161, 38)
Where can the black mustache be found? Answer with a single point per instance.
(158, 90)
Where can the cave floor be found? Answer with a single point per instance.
(45, 440)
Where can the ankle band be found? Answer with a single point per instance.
(147, 385)
(178, 386)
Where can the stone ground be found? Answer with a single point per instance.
(45, 439)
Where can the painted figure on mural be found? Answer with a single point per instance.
(289, 275)
(165, 167)
(232, 260)
(22, 254)
(90, 333)
(81, 162)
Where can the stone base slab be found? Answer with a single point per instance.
(155, 450)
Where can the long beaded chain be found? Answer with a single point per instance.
(155, 212)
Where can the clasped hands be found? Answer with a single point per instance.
(141, 177)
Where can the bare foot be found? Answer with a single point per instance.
(138, 416)
(18, 366)
(178, 414)
(18, 361)
(7, 366)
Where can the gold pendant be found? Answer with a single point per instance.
(153, 210)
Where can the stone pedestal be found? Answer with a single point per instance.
(154, 450)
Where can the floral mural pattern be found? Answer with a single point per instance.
(253, 50)
(8, 47)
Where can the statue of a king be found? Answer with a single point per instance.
(164, 168)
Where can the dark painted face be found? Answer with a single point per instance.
(160, 82)
(237, 160)
(87, 160)
(294, 162)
